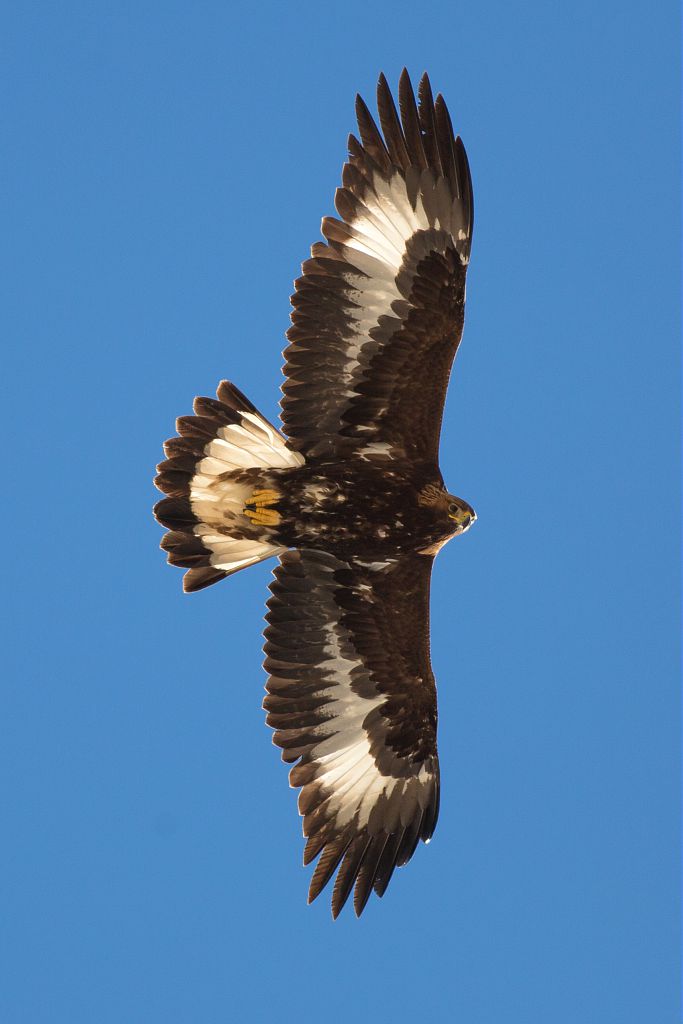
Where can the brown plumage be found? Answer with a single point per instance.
(351, 498)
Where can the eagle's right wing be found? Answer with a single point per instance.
(352, 698)
(379, 311)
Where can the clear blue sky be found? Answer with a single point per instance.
(166, 167)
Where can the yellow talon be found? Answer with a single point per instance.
(262, 498)
(258, 510)
(263, 516)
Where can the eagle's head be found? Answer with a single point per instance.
(452, 513)
(460, 514)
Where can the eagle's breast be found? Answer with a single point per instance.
(361, 504)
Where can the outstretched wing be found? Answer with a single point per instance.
(352, 698)
(379, 311)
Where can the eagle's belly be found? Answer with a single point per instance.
(355, 510)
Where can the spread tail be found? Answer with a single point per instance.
(218, 510)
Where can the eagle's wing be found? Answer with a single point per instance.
(378, 313)
(352, 698)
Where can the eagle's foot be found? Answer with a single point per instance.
(258, 508)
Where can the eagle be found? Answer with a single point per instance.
(348, 495)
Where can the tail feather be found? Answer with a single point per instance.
(210, 472)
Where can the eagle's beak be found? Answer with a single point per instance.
(463, 518)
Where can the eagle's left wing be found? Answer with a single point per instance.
(352, 698)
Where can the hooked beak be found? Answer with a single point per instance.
(463, 518)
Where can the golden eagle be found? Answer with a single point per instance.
(349, 496)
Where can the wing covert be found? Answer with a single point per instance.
(379, 310)
(352, 698)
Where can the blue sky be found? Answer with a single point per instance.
(166, 167)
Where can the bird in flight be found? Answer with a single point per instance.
(348, 495)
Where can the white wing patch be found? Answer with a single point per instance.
(345, 763)
(375, 242)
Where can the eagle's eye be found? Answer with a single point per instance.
(452, 508)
